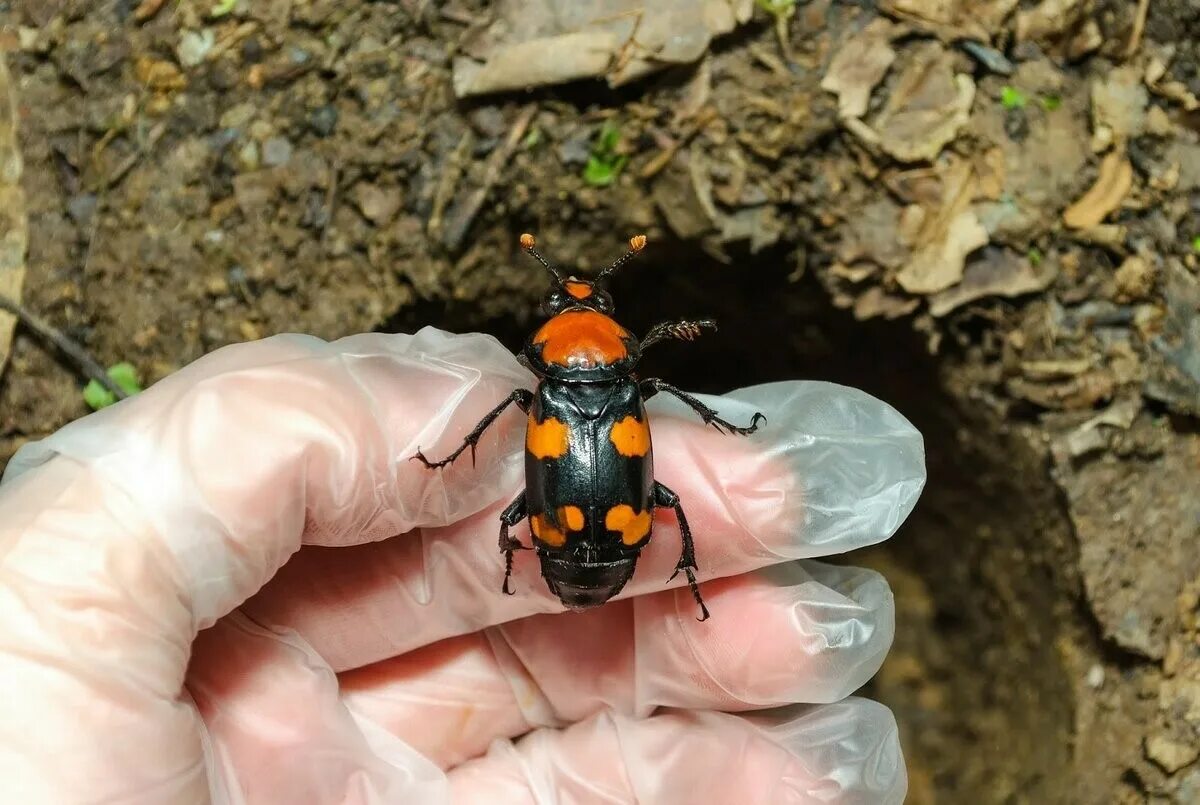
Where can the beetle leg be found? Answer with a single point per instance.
(522, 397)
(665, 498)
(652, 385)
(682, 330)
(510, 517)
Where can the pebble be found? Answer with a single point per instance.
(277, 151)
(324, 120)
(1095, 676)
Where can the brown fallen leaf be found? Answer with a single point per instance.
(1105, 196)
(949, 20)
(996, 272)
(945, 234)
(147, 9)
(1049, 20)
(535, 43)
(928, 106)
(876, 302)
(859, 66)
(14, 234)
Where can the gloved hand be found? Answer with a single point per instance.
(155, 647)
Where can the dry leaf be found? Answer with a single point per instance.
(947, 234)
(859, 65)
(996, 272)
(13, 223)
(1048, 20)
(953, 19)
(1106, 195)
(875, 302)
(940, 264)
(539, 42)
(927, 107)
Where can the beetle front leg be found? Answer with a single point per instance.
(522, 397)
(682, 330)
(511, 516)
(652, 385)
(666, 498)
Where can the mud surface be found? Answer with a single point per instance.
(999, 238)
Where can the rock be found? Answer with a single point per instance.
(277, 151)
(1169, 754)
(324, 120)
(194, 47)
(1134, 279)
(379, 206)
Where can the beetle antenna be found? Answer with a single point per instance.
(527, 243)
(636, 244)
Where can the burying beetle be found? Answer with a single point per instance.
(590, 491)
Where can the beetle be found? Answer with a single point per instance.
(590, 492)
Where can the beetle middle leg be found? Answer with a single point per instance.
(522, 397)
(665, 498)
(652, 385)
(511, 516)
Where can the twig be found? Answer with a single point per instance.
(331, 199)
(461, 217)
(74, 351)
(702, 119)
(448, 185)
(1139, 25)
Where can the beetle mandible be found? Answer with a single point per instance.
(590, 492)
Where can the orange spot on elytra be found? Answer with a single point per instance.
(546, 532)
(547, 439)
(579, 290)
(631, 437)
(633, 526)
(570, 518)
(582, 339)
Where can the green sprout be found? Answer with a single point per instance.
(1051, 101)
(778, 8)
(1196, 244)
(123, 374)
(604, 163)
(1035, 256)
(223, 7)
(1012, 98)
(532, 138)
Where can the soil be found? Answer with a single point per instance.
(196, 178)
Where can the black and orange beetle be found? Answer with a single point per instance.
(590, 491)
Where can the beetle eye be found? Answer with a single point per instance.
(553, 302)
(602, 301)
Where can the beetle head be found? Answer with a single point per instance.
(572, 292)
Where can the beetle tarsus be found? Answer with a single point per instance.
(513, 514)
(522, 397)
(680, 330)
(653, 385)
(666, 498)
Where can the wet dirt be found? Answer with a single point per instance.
(196, 180)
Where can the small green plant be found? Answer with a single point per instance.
(532, 138)
(123, 374)
(1196, 244)
(1012, 98)
(1035, 256)
(604, 162)
(223, 8)
(1051, 101)
(778, 8)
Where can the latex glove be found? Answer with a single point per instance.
(143, 660)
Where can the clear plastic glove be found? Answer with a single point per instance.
(237, 587)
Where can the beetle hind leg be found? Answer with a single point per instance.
(667, 499)
(510, 517)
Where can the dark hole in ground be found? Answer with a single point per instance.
(976, 677)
